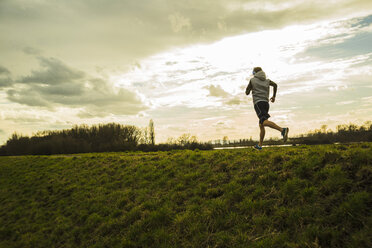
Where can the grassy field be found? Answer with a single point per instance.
(305, 196)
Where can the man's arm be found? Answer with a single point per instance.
(275, 89)
(248, 89)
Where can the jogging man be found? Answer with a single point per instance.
(259, 85)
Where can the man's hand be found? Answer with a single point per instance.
(248, 89)
(272, 99)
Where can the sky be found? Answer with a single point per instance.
(185, 64)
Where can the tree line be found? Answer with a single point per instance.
(344, 133)
(111, 137)
(114, 137)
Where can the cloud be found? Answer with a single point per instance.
(223, 125)
(344, 102)
(5, 79)
(179, 22)
(170, 63)
(216, 91)
(27, 97)
(126, 31)
(57, 84)
(351, 46)
(31, 51)
(228, 99)
(25, 119)
(55, 73)
(5, 82)
(345, 38)
(119, 34)
(233, 101)
(3, 71)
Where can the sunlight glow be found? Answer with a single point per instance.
(181, 77)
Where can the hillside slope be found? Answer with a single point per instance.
(307, 196)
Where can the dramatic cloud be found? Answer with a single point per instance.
(57, 84)
(183, 63)
(126, 31)
(54, 73)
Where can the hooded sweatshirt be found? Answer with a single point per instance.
(260, 87)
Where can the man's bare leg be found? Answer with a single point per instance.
(271, 124)
(262, 134)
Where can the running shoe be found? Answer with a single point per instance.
(257, 147)
(285, 133)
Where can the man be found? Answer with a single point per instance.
(259, 85)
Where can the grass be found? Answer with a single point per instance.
(306, 196)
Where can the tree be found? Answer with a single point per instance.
(324, 128)
(184, 139)
(193, 139)
(144, 136)
(225, 140)
(171, 141)
(151, 132)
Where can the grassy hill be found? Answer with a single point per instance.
(306, 196)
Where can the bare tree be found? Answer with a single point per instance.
(187, 139)
(144, 136)
(184, 139)
(171, 141)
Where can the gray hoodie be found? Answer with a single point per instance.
(260, 87)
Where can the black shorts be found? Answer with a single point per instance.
(262, 111)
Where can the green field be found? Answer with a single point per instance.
(304, 196)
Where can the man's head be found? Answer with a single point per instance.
(256, 69)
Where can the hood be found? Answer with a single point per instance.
(260, 75)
